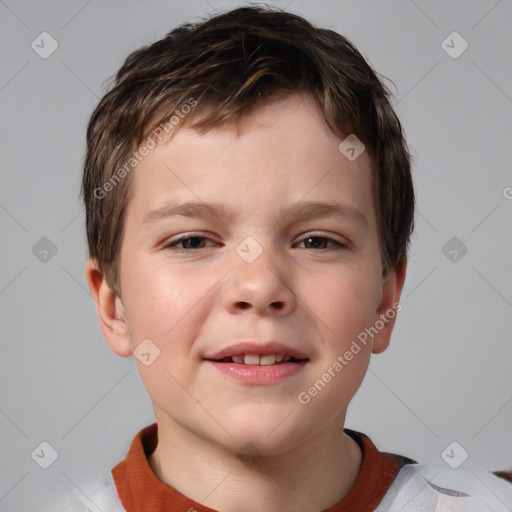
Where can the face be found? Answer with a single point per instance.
(242, 245)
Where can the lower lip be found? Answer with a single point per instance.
(259, 375)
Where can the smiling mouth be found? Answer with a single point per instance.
(259, 360)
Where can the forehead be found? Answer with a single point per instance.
(283, 151)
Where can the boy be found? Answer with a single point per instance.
(249, 207)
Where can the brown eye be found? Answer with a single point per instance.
(320, 242)
(187, 243)
(193, 242)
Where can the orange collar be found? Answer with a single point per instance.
(140, 490)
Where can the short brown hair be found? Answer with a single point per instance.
(231, 63)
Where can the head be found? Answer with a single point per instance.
(243, 115)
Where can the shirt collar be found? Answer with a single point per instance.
(140, 490)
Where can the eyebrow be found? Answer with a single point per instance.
(299, 211)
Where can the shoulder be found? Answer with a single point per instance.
(429, 488)
(103, 498)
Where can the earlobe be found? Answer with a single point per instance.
(110, 310)
(388, 307)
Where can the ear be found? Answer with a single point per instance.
(388, 307)
(110, 309)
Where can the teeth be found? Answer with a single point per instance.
(254, 359)
(268, 359)
(251, 359)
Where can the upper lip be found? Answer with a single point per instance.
(254, 348)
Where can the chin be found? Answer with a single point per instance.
(265, 431)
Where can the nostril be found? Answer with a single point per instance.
(275, 305)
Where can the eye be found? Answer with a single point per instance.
(321, 242)
(187, 242)
(191, 242)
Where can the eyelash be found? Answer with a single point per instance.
(172, 244)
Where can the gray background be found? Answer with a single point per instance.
(446, 376)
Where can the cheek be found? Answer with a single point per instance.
(345, 299)
(345, 305)
(167, 306)
(161, 300)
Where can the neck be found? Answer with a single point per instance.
(313, 476)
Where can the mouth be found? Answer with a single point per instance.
(258, 354)
(258, 364)
(260, 360)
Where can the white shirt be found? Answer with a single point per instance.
(417, 488)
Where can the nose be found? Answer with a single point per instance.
(262, 287)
